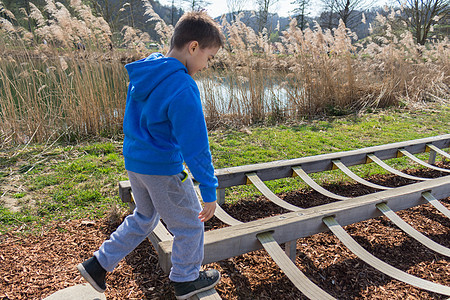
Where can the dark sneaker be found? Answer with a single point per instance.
(94, 273)
(205, 281)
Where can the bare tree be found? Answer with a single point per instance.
(197, 4)
(109, 10)
(347, 10)
(328, 14)
(350, 10)
(235, 7)
(300, 12)
(263, 12)
(421, 15)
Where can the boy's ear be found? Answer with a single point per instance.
(193, 47)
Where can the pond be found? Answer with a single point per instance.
(246, 93)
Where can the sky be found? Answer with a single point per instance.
(283, 7)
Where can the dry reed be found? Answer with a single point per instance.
(66, 80)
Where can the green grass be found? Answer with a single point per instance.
(234, 148)
(63, 182)
(19, 195)
(41, 183)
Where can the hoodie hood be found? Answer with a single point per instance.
(148, 73)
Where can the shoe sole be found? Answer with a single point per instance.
(89, 279)
(187, 296)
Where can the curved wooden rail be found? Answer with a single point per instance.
(391, 215)
(438, 205)
(392, 170)
(421, 162)
(259, 184)
(437, 150)
(380, 265)
(219, 212)
(306, 286)
(224, 217)
(356, 178)
(308, 180)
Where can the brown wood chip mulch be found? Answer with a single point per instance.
(33, 267)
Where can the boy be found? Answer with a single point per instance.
(164, 125)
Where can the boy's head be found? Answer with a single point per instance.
(196, 26)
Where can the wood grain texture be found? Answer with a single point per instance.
(238, 239)
(380, 265)
(437, 150)
(309, 181)
(433, 201)
(356, 178)
(385, 166)
(234, 176)
(421, 162)
(306, 286)
(257, 182)
(411, 231)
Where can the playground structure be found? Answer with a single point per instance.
(268, 233)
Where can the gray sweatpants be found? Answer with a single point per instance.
(178, 206)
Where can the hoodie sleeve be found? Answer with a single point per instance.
(189, 128)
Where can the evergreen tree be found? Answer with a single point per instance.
(300, 12)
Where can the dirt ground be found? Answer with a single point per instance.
(34, 267)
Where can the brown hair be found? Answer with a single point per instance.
(196, 26)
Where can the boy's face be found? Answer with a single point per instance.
(199, 58)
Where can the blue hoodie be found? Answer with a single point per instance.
(164, 123)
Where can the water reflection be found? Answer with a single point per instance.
(232, 93)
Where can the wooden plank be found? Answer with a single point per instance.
(356, 178)
(228, 242)
(306, 286)
(308, 180)
(283, 168)
(411, 231)
(380, 265)
(421, 162)
(162, 233)
(158, 235)
(224, 217)
(219, 212)
(207, 295)
(392, 170)
(433, 201)
(233, 176)
(436, 149)
(253, 178)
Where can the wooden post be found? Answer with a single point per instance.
(432, 157)
(125, 191)
(290, 248)
(220, 196)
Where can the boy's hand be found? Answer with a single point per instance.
(208, 211)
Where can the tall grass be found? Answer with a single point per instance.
(62, 80)
(329, 72)
(65, 78)
(60, 97)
